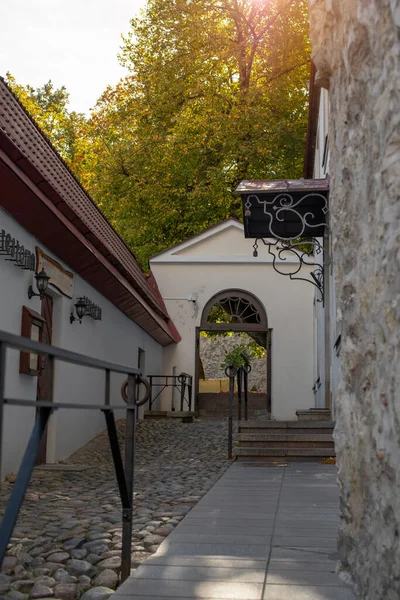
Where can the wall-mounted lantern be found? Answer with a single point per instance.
(80, 309)
(85, 308)
(42, 280)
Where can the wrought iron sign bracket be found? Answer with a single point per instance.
(290, 256)
(291, 218)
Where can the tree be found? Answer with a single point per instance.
(49, 108)
(216, 94)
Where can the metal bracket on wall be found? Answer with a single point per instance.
(290, 256)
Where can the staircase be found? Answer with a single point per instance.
(284, 441)
(217, 404)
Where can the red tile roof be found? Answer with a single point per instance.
(32, 153)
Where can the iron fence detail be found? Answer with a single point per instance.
(230, 372)
(182, 382)
(241, 375)
(124, 474)
(243, 389)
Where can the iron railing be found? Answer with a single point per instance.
(241, 374)
(182, 382)
(243, 390)
(124, 475)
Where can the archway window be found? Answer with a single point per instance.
(234, 310)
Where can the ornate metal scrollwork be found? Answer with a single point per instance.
(292, 230)
(301, 253)
(284, 208)
(234, 309)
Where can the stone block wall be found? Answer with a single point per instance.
(213, 351)
(357, 55)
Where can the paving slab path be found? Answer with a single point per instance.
(261, 533)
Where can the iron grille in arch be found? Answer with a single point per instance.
(234, 309)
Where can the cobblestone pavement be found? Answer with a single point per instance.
(67, 542)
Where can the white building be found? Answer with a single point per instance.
(317, 166)
(47, 220)
(218, 264)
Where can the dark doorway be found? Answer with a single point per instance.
(45, 377)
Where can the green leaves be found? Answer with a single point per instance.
(238, 357)
(216, 93)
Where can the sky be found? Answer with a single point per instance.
(72, 42)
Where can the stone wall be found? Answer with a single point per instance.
(213, 351)
(356, 52)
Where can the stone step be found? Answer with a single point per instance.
(289, 424)
(314, 414)
(224, 413)
(289, 444)
(282, 427)
(281, 440)
(169, 414)
(284, 453)
(281, 459)
(290, 437)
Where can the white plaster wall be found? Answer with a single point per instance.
(321, 171)
(115, 338)
(289, 306)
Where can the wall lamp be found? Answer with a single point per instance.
(42, 280)
(85, 308)
(80, 309)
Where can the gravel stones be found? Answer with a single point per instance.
(74, 543)
(152, 540)
(97, 593)
(69, 533)
(110, 563)
(107, 579)
(62, 576)
(14, 595)
(46, 580)
(58, 557)
(4, 587)
(9, 563)
(66, 591)
(80, 567)
(79, 554)
(41, 591)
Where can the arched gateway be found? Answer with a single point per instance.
(237, 311)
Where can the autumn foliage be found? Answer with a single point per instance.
(215, 93)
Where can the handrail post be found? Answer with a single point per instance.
(190, 395)
(182, 379)
(246, 392)
(174, 380)
(230, 372)
(130, 435)
(25, 470)
(239, 392)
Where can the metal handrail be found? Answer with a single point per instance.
(124, 475)
(21, 343)
(242, 377)
(180, 382)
